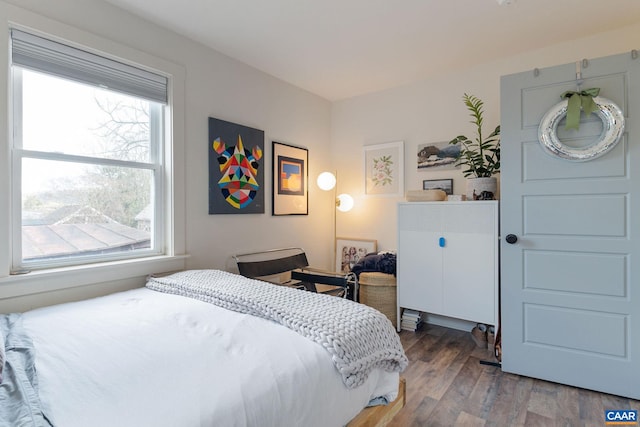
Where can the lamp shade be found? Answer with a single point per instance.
(326, 181)
(344, 203)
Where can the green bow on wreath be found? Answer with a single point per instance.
(575, 100)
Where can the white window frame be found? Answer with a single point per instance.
(155, 164)
(105, 276)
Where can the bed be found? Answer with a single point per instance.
(175, 357)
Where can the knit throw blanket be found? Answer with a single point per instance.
(358, 338)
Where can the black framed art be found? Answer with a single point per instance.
(445, 185)
(290, 180)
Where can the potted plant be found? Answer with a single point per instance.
(480, 156)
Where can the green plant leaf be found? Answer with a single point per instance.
(481, 156)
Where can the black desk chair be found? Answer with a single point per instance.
(289, 267)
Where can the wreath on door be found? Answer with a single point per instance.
(588, 101)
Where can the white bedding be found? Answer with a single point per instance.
(143, 358)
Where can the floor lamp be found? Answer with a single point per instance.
(327, 181)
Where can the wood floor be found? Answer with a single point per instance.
(447, 386)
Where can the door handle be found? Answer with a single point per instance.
(511, 238)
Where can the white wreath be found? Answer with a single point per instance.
(612, 130)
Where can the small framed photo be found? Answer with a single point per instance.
(290, 173)
(349, 251)
(445, 185)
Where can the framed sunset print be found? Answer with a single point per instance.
(290, 176)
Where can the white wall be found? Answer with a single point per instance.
(433, 111)
(214, 86)
(218, 86)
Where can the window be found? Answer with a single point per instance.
(87, 156)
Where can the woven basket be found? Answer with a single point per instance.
(378, 290)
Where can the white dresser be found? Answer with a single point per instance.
(448, 259)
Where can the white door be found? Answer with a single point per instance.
(571, 282)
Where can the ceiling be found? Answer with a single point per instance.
(342, 48)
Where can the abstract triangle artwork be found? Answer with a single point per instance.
(236, 175)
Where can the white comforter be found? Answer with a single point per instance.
(144, 358)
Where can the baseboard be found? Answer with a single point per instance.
(449, 322)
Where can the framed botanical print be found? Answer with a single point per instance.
(384, 169)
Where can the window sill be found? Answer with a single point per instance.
(39, 281)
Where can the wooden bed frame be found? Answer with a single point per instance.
(379, 416)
